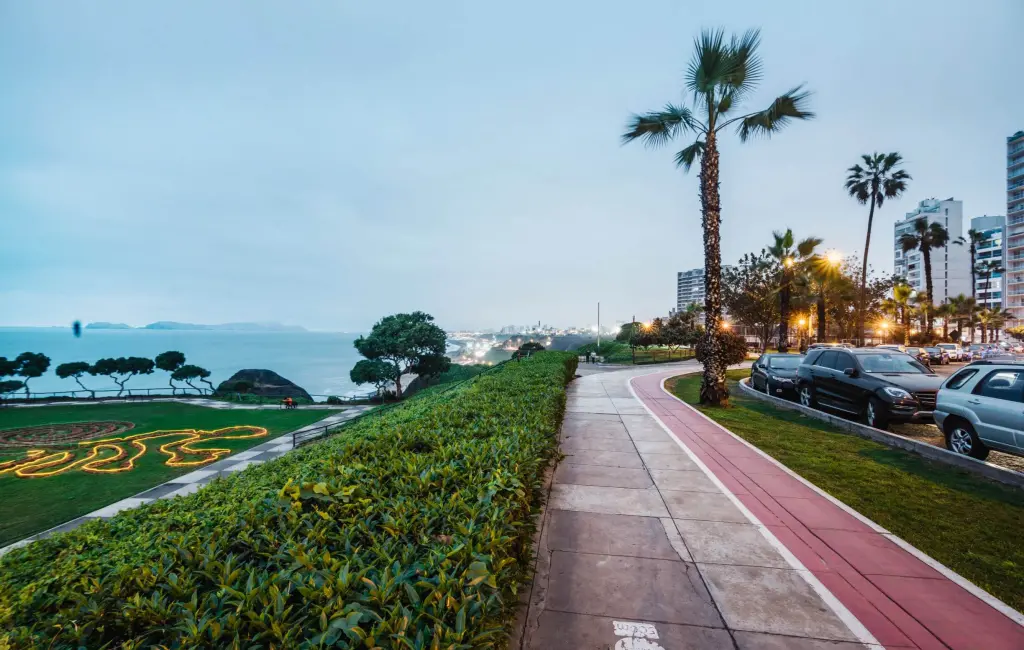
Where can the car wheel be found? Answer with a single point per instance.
(767, 386)
(807, 397)
(876, 414)
(962, 439)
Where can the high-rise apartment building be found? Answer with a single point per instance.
(990, 254)
(951, 273)
(690, 287)
(1014, 290)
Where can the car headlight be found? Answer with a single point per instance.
(898, 393)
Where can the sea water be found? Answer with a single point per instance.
(318, 361)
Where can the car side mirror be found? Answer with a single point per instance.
(850, 372)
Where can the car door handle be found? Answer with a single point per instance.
(974, 401)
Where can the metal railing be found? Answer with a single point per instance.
(101, 395)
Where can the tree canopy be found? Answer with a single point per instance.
(409, 342)
(29, 365)
(189, 372)
(169, 362)
(74, 369)
(122, 369)
(749, 294)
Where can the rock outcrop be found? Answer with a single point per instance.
(265, 383)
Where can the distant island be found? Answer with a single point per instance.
(225, 327)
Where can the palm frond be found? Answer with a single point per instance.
(687, 156)
(710, 66)
(659, 128)
(786, 108)
(807, 246)
(909, 241)
(745, 68)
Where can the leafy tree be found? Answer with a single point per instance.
(946, 312)
(792, 258)
(628, 333)
(973, 239)
(188, 372)
(681, 329)
(720, 76)
(531, 346)
(8, 367)
(924, 238)
(408, 342)
(749, 294)
(10, 386)
(881, 178)
(30, 365)
(75, 369)
(1016, 332)
(378, 372)
(169, 362)
(823, 271)
(121, 369)
(901, 295)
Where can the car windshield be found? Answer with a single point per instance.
(947, 346)
(932, 349)
(899, 363)
(788, 362)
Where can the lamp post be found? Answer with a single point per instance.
(800, 338)
(632, 345)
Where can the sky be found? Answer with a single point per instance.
(327, 163)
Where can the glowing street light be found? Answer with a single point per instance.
(833, 257)
(647, 325)
(726, 325)
(788, 262)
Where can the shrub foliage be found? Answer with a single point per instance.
(409, 530)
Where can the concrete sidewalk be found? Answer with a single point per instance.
(641, 547)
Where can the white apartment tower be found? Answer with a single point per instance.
(690, 287)
(951, 273)
(1014, 285)
(989, 289)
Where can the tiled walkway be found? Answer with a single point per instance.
(641, 548)
(693, 539)
(191, 482)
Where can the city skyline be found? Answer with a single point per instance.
(326, 165)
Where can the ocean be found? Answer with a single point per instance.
(317, 361)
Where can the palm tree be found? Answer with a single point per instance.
(924, 238)
(793, 261)
(720, 76)
(967, 309)
(973, 240)
(985, 317)
(946, 311)
(988, 269)
(823, 270)
(879, 179)
(901, 294)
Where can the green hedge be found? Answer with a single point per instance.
(411, 530)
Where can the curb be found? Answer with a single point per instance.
(931, 452)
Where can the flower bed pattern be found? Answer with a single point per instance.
(115, 455)
(51, 435)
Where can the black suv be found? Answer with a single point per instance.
(880, 386)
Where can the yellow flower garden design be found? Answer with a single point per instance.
(119, 454)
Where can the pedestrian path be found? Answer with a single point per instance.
(193, 481)
(664, 530)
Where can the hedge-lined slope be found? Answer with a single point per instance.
(411, 530)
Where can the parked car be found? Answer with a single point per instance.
(981, 408)
(818, 346)
(956, 353)
(892, 346)
(921, 355)
(937, 355)
(975, 351)
(775, 374)
(879, 386)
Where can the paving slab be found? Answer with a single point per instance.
(664, 447)
(583, 632)
(607, 500)
(594, 429)
(588, 532)
(668, 461)
(659, 591)
(604, 458)
(775, 601)
(599, 475)
(686, 480)
(757, 641)
(722, 542)
(702, 505)
(597, 444)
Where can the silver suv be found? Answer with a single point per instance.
(982, 408)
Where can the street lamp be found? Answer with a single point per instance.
(884, 325)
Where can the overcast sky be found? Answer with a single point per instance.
(326, 163)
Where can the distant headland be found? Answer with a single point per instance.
(225, 327)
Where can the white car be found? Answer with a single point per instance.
(956, 353)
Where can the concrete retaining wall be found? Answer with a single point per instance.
(931, 452)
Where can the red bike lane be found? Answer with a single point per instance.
(904, 601)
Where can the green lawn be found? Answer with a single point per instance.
(30, 505)
(971, 525)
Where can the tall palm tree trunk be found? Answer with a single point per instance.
(906, 326)
(927, 254)
(784, 294)
(863, 295)
(821, 314)
(712, 388)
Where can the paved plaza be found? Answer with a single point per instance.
(664, 530)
